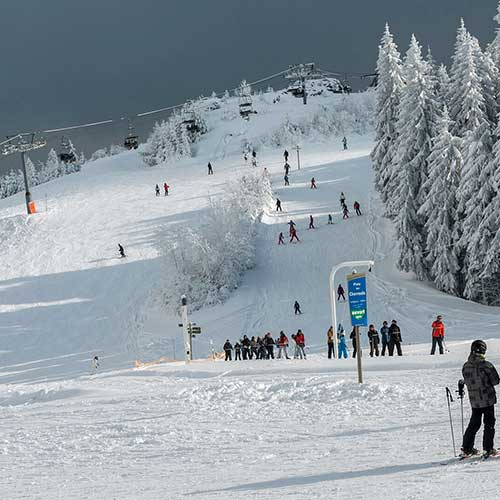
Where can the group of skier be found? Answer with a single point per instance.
(166, 187)
(263, 347)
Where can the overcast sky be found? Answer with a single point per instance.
(72, 61)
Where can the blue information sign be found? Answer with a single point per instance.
(356, 288)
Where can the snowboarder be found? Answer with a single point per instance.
(285, 155)
(342, 199)
(281, 239)
(237, 351)
(384, 331)
(311, 222)
(165, 188)
(343, 347)
(269, 343)
(296, 308)
(278, 205)
(287, 182)
(330, 219)
(437, 335)
(293, 234)
(210, 169)
(330, 339)
(121, 250)
(480, 377)
(357, 207)
(313, 183)
(245, 347)
(395, 338)
(157, 190)
(287, 168)
(300, 344)
(352, 336)
(344, 142)
(374, 340)
(282, 345)
(345, 213)
(228, 347)
(94, 365)
(340, 293)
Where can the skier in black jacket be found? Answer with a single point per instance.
(395, 338)
(228, 347)
(374, 339)
(237, 351)
(296, 308)
(480, 377)
(269, 343)
(245, 344)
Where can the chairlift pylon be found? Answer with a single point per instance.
(132, 140)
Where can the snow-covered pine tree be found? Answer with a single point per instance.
(416, 122)
(494, 47)
(439, 208)
(389, 86)
(31, 172)
(442, 87)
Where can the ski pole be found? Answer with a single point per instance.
(449, 398)
(460, 392)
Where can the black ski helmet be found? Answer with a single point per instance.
(478, 347)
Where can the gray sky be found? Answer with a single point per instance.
(70, 61)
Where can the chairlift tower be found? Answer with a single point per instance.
(22, 143)
(132, 139)
(302, 72)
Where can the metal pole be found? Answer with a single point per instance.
(26, 183)
(358, 355)
(334, 313)
(449, 398)
(187, 345)
(190, 346)
(298, 157)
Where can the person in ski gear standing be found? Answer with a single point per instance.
(300, 342)
(357, 208)
(345, 213)
(340, 293)
(157, 190)
(480, 377)
(374, 340)
(245, 347)
(344, 143)
(313, 183)
(395, 338)
(311, 222)
(165, 188)
(296, 308)
(384, 331)
(94, 365)
(352, 336)
(269, 343)
(228, 347)
(237, 351)
(287, 169)
(293, 234)
(287, 182)
(282, 345)
(281, 239)
(278, 205)
(254, 154)
(343, 347)
(210, 169)
(342, 199)
(292, 225)
(121, 250)
(245, 157)
(437, 335)
(330, 339)
(254, 162)
(285, 155)
(330, 219)
(254, 348)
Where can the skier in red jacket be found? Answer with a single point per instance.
(165, 188)
(293, 234)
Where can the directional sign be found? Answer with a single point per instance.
(356, 288)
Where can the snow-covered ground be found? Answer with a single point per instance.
(260, 429)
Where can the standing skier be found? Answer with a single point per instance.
(374, 339)
(311, 222)
(340, 293)
(293, 234)
(313, 183)
(94, 365)
(121, 250)
(245, 157)
(254, 348)
(281, 239)
(296, 308)
(480, 377)
(384, 331)
(292, 225)
(210, 169)
(345, 213)
(344, 142)
(283, 345)
(165, 188)
(357, 208)
(352, 336)
(245, 344)
(395, 338)
(330, 339)
(343, 347)
(287, 168)
(437, 335)
(269, 343)
(157, 190)
(285, 155)
(237, 351)
(300, 342)
(330, 219)
(278, 205)
(287, 182)
(254, 154)
(342, 199)
(228, 347)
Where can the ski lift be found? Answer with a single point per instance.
(246, 107)
(22, 143)
(67, 154)
(296, 89)
(132, 140)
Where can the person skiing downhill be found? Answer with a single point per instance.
(285, 155)
(165, 188)
(343, 347)
(157, 190)
(384, 331)
(374, 340)
(330, 339)
(292, 225)
(313, 183)
(480, 377)
(281, 239)
(278, 205)
(345, 213)
(296, 308)
(210, 169)
(293, 234)
(357, 208)
(311, 222)
(437, 335)
(340, 293)
(121, 250)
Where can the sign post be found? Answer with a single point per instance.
(356, 289)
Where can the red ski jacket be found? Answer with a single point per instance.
(438, 329)
(300, 339)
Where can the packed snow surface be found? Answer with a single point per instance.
(257, 429)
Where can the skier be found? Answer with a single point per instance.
(282, 345)
(292, 225)
(300, 344)
(345, 213)
(374, 339)
(262, 351)
(340, 331)
(357, 207)
(384, 331)
(278, 205)
(437, 335)
(254, 162)
(293, 234)
(121, 250)
(395, 338)
(254, 154)
(344, 142)
(210, 169)
(245, 344)
(287, 182)
(330, 219)
(313, 183)
(269, 343)
(352, 336)
(480, 377)
(94, 365)
(157, 190)
(342, 199)
(296, 308)
(253, 348)
(340, 293)
(165, 188)
(287, 168)
(237, 351)
(343, 347)
(228, 347)
(285, 155)
(245, 157)
(330, 339)
(311, 222)
(281, 239)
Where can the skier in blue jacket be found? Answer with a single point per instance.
(343, 347)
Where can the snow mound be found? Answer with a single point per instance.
(25, 398)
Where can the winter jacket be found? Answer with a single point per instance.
(480, 377)
(228, 346)
(269, 341)
(395, 333)
(342, 341)
(384, 331)
(330, 335)
(283, 341)
(438, 329)
(245, 342)
(300, 339)
(237, 346)
(373, 336)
